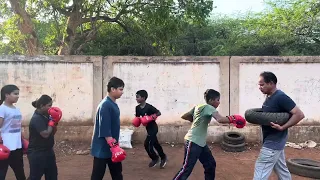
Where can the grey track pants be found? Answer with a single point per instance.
(269, 160)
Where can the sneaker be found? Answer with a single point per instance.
(163, 162)
(153, 163)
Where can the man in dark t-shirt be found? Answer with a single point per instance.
(272, 156)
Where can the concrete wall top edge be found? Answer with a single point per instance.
(165, 59)
(53, 58)
(275, 59)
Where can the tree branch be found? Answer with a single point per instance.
(26, 27)
(110, 4)
(104, 18)
(123, 26)
(62, 11)
(89, 36)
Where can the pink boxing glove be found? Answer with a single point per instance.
(237, 120)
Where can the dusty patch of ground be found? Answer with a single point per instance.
(230, 166)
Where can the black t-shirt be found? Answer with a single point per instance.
(148, 109)
(39, 123)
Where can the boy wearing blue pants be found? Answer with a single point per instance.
(195, 139)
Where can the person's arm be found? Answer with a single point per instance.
(188, 115)
(137, 112)
(105, 122)
(154, 110)
(286, 103)
(220, 119)
(41, 127)
(2, 113)
(1, 123)
(54, 130)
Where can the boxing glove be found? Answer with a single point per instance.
(237, 120)
(25, 144)
(136, 121)
(55, 116)
(4, 152)
(146, 119)
(118, 154)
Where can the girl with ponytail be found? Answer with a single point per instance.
(41, 155)
(10, 136)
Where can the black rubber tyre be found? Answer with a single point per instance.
(304, 167)
(232, 147)
(256, 116)
(233, 138)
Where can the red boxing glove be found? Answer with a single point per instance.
(237, 120)
(4, 152)
(55, 114)
(146, 119)
(25, 144)
(136, 121)
(118, 154)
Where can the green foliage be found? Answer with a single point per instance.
(167, 27)
(11, 38)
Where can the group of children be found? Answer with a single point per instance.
(107, 127)
(42, 128)
(105, 147)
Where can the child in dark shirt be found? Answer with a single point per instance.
(145, 109)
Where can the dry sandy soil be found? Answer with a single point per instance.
(230, 166)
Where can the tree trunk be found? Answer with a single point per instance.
(26, 27)
(74, 20)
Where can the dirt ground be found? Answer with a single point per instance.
(230, 166)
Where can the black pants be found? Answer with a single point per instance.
(43, 163)
(99, 169)
(15, 161)
(193, 152)
(150, 143)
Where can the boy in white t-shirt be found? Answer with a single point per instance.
(10, 136)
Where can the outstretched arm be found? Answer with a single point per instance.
(237, 120)
(220, 119)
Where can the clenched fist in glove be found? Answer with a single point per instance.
(118, 154)
(146, 119)
(237, 120)
(136, 121)
(55, 115)
(4, 152)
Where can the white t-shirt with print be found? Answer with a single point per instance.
(11, 128)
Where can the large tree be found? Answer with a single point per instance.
(66, 26)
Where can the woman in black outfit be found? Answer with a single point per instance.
(42, 129)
